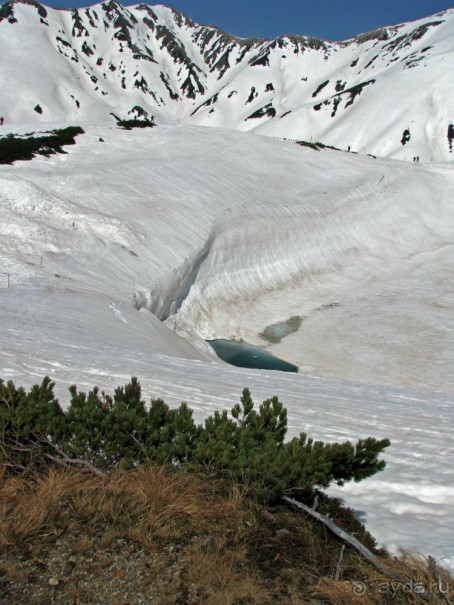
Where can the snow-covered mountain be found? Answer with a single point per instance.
(388, 92)
(123, 255)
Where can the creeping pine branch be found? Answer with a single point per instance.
(30, 448)
(83, 465)
(64, 460)
(9, 446)
(339, 563)
(356, 544)
(14, 465)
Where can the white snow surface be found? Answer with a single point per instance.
(221, 234)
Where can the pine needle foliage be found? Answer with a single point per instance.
(247, 444)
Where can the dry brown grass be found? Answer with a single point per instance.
(152, 501)
(83, 545)
(220, 575)
(207, 542)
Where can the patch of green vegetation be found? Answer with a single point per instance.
(135, 123)
(247, 445)
(316, 146)
(15, 147)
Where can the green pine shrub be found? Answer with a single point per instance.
(30, 423)
(316, 146)
(136, 123)
(108, 432)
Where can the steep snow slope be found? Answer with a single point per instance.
(223, 233)
(387, 92)
(347, 242)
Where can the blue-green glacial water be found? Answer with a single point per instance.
(244, 355)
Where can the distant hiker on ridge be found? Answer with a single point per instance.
(1, 121)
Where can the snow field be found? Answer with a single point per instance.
(225, 233)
